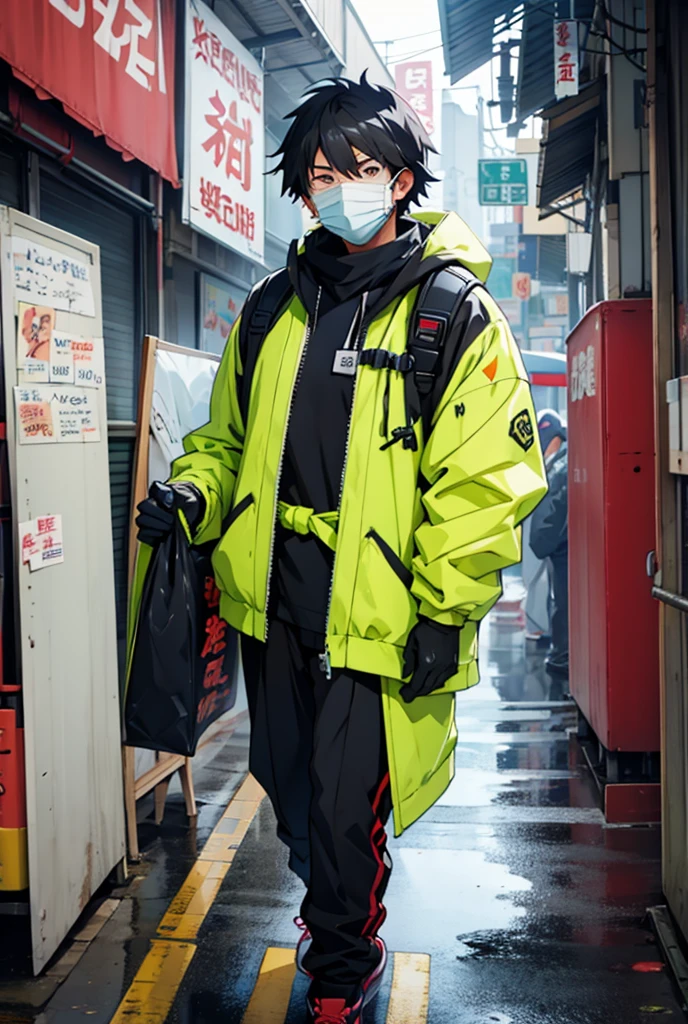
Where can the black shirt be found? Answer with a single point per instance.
(315, 448)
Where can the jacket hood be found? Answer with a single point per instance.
(448, 240)
(452, 240)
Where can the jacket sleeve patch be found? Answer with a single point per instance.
(491, 370)
(521, 430)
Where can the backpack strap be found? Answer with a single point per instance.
(437, 307)
(263, 308)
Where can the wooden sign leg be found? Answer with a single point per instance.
(160, 798)
(128, 762)
(186, 776)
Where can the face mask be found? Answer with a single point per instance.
(354, 211)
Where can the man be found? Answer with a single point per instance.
(549, 536)
(368, 459)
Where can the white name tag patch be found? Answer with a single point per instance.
(345, 362)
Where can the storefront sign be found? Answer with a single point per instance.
(224, 189)
(110, 62)
(414, 82)
(520, 286)
(566, 60)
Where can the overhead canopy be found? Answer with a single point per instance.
(470, 26)
(535, 88)
(297, 45)
(468, 30)
(568, 145)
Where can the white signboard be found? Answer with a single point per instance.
(181, 403)
(224, 190)
(566, 59)
(66, 628)
(50, 278)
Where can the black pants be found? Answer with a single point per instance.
(318, 750)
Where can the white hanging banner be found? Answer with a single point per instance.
(566, 59)
(224, 189)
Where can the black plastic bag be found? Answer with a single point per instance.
(183, 658)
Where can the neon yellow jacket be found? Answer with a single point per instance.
(483, 475)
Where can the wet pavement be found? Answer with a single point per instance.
(517, 900)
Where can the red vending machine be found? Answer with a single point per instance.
(614, 622)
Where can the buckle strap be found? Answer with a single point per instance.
(406, 434)
(382, 359)
(302, 520)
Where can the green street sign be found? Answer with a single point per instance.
(503, 182)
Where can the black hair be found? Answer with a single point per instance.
(338, 114)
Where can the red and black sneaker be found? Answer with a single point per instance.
(334, 1011)
(303, 945)
(324, 1008)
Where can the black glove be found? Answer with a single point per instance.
(156, 514)
(431, 657)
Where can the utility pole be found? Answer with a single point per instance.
(386, 43)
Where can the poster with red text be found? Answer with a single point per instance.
(224, 188)
(566, 59)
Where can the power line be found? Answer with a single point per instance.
(622, 51)
(402, 39)
(419, 53)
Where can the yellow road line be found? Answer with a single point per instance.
(410, 989)
(152, 992)
(188, 909)
(270, 999)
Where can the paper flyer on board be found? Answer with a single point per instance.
(34, 417)
(64, 415)
(61, 359)
(45, 275)
(75, 413)
(35, 327)
(40, 541)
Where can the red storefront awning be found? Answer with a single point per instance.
(109, 62)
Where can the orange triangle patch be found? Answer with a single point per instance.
(491, 370)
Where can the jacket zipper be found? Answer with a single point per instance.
(324, 658)
(310, 327)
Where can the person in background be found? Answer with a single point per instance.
(549, 535)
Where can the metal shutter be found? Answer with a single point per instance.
(115, 231)
(9, 179)
(121, 454)
(552, 259)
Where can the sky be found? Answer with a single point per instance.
(414, 31)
